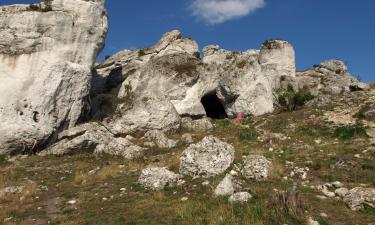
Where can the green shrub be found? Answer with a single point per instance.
(349, 132)
(247, 121)
(141, 53)
(289, 100)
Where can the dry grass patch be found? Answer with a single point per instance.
(89, 178)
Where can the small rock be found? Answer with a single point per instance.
(240, 197)
(226, 186)
(72, 202)
(184, 199)
(337, 184)
(311, 221)
(187, 138)
(323, 215)
(158, 178)
(206, 183)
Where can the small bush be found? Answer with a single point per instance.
(141, 53)
(289, 100)
(349, 132)
(247, 121)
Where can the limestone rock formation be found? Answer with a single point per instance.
(206, 158)
(328, 78)
(256, 167)
(158, 178)
(46, 56)
(232, 81)
(93, 138)
(358, 197)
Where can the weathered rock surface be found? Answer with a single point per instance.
(358, 197)
(241, 81)
(226, 187)
(94, 138)
(328, 78)
(158, 178)
(206, 158)
(199, 124)
(256, 167)
(46, 58)
(145, 114)
(160, 139)
(240, 197)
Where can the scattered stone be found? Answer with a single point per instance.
(324, 215)
(184, 199)
(160, 139)
(158, 178)
(205, 183)
(226, 187)
(72, 202)
(240, 197)
(341, 192)
(359, 196)
(199, 124)
(311, 221)
(187, 138)
(256, 167)
(206, 158)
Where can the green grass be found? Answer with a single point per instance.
(350, 132)
(322, 221)
(3, 160)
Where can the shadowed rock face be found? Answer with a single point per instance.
(46, 58)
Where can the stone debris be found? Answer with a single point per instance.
(160, 139)
(240, 197)
(158, 178)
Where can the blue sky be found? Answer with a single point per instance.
(318, 29)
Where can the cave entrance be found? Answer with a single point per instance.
(213, 106)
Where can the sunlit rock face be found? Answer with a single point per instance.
(173, 69)
(47, 52)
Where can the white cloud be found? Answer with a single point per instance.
(218, 11)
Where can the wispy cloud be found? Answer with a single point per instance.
(219, 11)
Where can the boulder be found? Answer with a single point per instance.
(256, 167)
(240, 197)
(226, 187)
(207, 158)
(47, 53)
(359, 196)
(158, 178)
(93, 138)
(160, 139)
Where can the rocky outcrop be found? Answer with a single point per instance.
(94, 138)
(207, 158)
(358, 197)
(328, 78)
(46, 56)
(159, 178)
(240, 81)
(256, 167)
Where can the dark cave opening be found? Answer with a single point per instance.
(213, 106)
